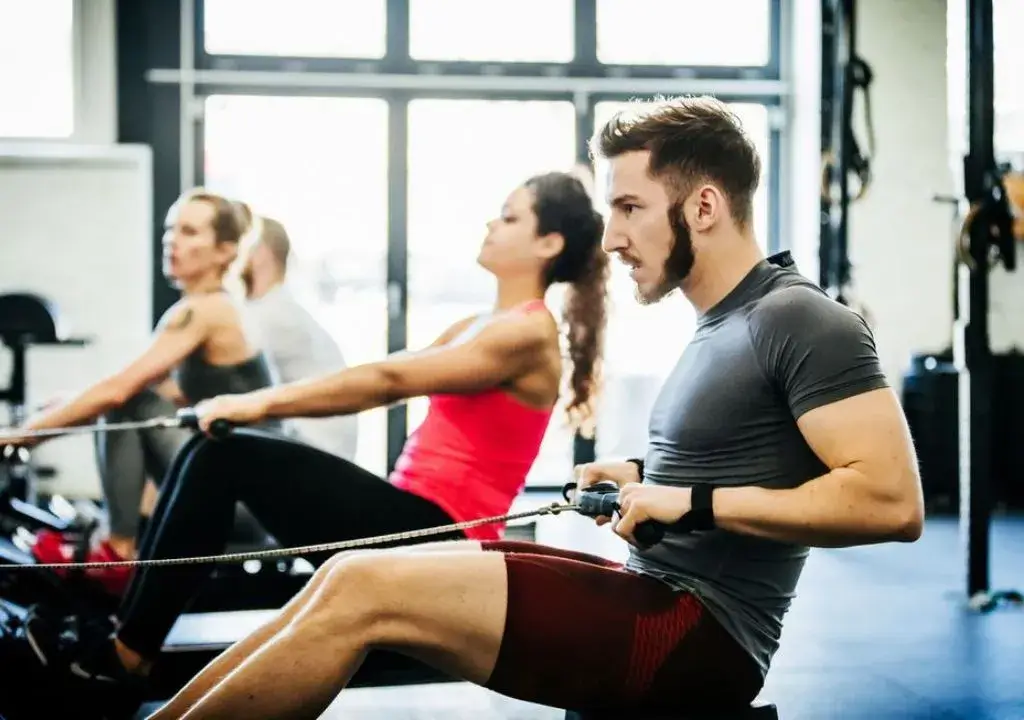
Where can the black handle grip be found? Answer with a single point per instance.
(602, 499)
(219, 429)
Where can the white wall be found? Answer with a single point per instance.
(900, 239)
(80, 217)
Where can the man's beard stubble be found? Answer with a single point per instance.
(679, 262)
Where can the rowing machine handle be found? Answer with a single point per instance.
(219, 429)
(603, 499)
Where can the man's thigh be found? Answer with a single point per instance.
(591, 636)
(446, 603)
(441, 604)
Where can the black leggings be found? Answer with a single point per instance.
(301, 495)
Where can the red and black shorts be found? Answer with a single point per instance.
(585, 634)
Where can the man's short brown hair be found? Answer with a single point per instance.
(275, 238)
(691, 140)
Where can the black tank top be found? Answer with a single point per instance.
(200, 380)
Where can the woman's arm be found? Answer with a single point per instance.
(183, 330)
(452, 332)
(501, 352)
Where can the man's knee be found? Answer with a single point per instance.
(349, 574)
(369, 587)
(349, 595)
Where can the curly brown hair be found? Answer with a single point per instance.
(563, 205)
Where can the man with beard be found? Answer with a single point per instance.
(775, 432)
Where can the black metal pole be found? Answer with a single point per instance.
(837, 86)
(976, 377)
(829, 153)
(845, 44)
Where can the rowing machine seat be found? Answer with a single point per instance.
(29, 318)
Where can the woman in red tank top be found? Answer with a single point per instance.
(493, 381)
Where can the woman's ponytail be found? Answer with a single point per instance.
(585, 314)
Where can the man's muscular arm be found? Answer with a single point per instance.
(822, 358)
(872, 493)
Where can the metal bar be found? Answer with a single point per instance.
(775, 42)
(585, 33)
(7, 434)
(186, 100)
(977, 367)
(774, 171)
(404, 65)
(847, 43)
(829, 30)
(397, 260)
(584, 448)
(838, 43)
(425, 81)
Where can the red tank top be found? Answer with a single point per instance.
(471, 454)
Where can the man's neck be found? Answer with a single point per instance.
(719, 268)
(261, 286)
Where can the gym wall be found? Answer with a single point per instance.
(901, 240)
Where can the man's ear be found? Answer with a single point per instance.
(706, 207)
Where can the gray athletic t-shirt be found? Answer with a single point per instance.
(773, 349)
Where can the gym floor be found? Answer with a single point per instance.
(876, 633)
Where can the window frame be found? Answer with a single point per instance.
(398, 61)
(187, 80)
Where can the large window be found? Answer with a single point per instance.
(489, 94)
(37, 69)
(472, 30)
(644, 342)
(465, 157)
(686, 32)
(299, 28)
(1008, 100)
(1007, 21)
(319, 165)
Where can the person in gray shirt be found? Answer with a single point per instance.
(777, 429)
(776, 432)
(298, 345)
